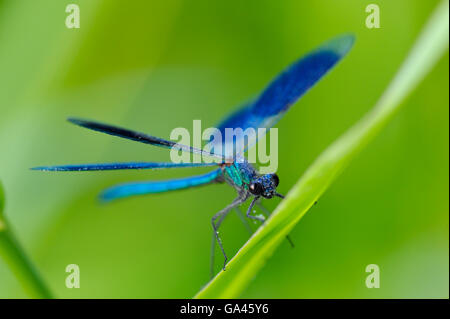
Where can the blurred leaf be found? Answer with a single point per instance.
(2, 206)
(2, 199)
(430, 46)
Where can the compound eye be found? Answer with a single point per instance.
(275, 179)
(256, 188)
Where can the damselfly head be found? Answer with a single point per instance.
(264, 185)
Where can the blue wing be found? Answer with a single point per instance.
(138, 137)
(281, 93)
(142, 188)
(117, 166)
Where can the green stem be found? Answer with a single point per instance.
(20, 265)
(17, 260)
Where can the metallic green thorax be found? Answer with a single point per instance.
(240, 173)
(234, 174)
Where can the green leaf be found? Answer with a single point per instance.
(431, 44)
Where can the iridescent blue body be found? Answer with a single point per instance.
(262, 112)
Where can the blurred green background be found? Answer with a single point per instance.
(156, 65)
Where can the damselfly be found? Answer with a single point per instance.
(262, 112)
